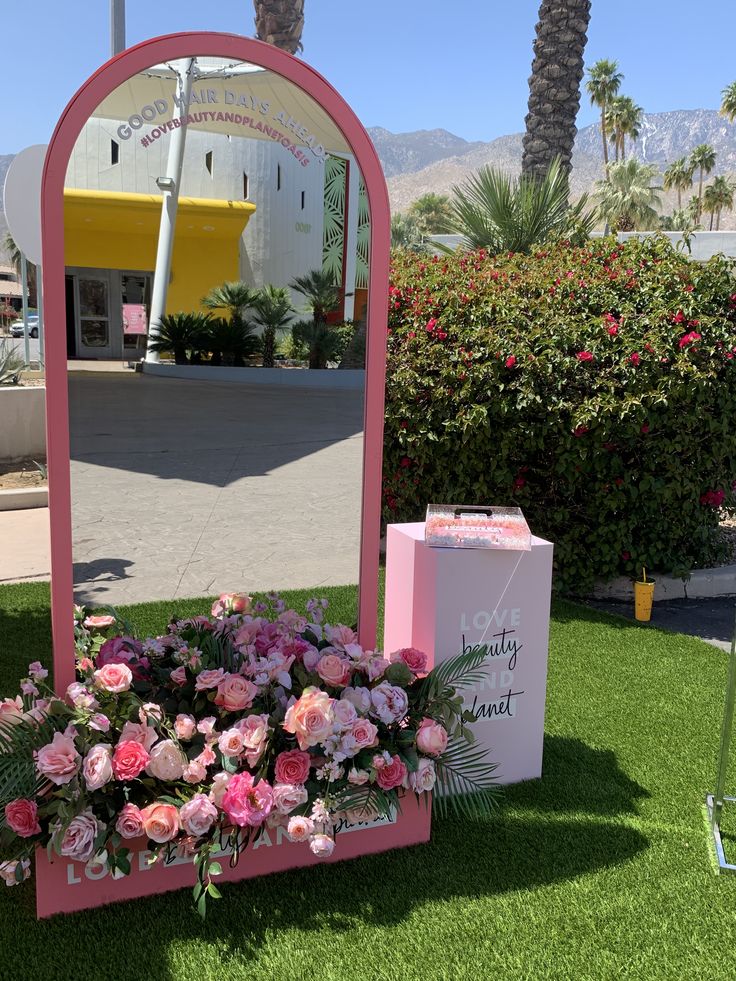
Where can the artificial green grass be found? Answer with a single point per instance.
(599, 870)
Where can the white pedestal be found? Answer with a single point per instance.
(442, 600)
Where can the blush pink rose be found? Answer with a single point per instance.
(431, 738)
(185, 726)
(345, 712)
(246, 803)
(340, 635)
(11, 708)
(219, 786)
(288, 796)
(392, 775)
(194, 772)
(254, 729)
(334, 670)
(235, 693)
(209, 679)
(415, 660)
(365, 734)
(79, 696)
(231, 742)
(310, 718)
(228, 604)
(292, 766)
(321, 845)
(166, 761)
(99, 621)
(138, 732)
(114, 678)
(424, 777)
(22, 817)
(129, 760)
(160, 822)
(99, 722)
(9, 871)
(299, 828)
(179, 675)
(97, 766)
(58, 760)
(130, 822)
(78, 841)
(198, 815)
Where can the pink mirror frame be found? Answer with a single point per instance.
(70, 125)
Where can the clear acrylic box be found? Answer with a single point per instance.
(472, 526)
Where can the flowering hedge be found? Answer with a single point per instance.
(593, 387)
(196, 740)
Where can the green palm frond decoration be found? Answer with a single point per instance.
(18, 742)
(368, 797)
(334, 217)
(465, 781)
(462, 671)
(363, 239)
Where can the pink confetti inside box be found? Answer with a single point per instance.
(470, 526)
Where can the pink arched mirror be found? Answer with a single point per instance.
(186, 163)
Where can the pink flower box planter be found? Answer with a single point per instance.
(64, 886)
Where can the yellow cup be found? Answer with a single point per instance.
(643, 596)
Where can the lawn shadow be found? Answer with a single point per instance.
(578, 778)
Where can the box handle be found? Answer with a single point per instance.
(473, 510)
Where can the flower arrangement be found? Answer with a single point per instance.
(195, 740)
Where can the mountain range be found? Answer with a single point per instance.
(435, 160)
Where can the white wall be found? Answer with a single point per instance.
(22, 422)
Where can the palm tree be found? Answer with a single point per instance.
(182, 334)
(280, 22)
(273, 312)
(323, 297)
(496, 212)
(678, 177)
(604, 81)
(728, 102)
(710, 203)
(624, 119)
(432, 213)
(703, 159)
(554, 85)
(405, 232)
(234, 297)
(230, 342)
(627, 199)
(722, 192)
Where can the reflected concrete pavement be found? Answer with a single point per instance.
(186, 488)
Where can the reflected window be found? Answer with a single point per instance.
(208, 162)
(94, 333)
(278, 177)
(245, 185)
(92, 298)
(304, 195)
(114, 152)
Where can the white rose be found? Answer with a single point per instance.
(288, 796)
(167, 761)
(97, 766)
(423, 777)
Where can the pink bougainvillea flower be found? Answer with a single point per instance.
(580, 431)
(689, 338)
(584, 356)
(510, 361)
(635, 358)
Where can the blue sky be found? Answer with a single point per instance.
(402, 64)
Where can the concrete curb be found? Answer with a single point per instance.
(23, 498)
(701, 584)
(329, 378)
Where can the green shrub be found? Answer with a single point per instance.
(593, 387)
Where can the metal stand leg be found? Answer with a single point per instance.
(714, 802)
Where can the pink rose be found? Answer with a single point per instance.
(160, 822)
(359, 697)
(431, 738)
(235, 693)
(288, 796)
(334, 670)
(292, 766)
(139, 733)
(310, 718)
(97, 766)
(11, 708)
(99, 621)
(129, 760)
(391, 775)
(345, 713)
(179, 675)
(58, 760)
(150, 713)
(219, 786)
(79, 838)
(114, 678)
(376, 666)
(231, 742)
(209, 679)
(340, 635)
(246, 803)
(424, 777)
(207, 756)
(207, 728)
(254, 729)
(124, 650)
(230, 603)
(185, 726)
(365, 734)
(99, 722)
(416, 661)
(198, 815)
(130, 822)
(194, 772)
(166, 761)
(358, 777)
(22, 817)
(321, 845)
(299, 828)
(79, 696)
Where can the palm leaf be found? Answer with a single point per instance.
(18, 742)
(465, 781)
(367, 797)
(461, 671)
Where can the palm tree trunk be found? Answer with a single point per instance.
(623, 145)
(710, 227)
(700, 194)
(280, 22)
(605, 139)
(554, 85)
(679, 198)
(718, 220)
(268, 347)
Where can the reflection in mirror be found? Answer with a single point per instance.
(215, 224)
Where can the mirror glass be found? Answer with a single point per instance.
(216, 253)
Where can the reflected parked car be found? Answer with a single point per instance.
(16, 328)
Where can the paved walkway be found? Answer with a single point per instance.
(185, 488)
(711, 620)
